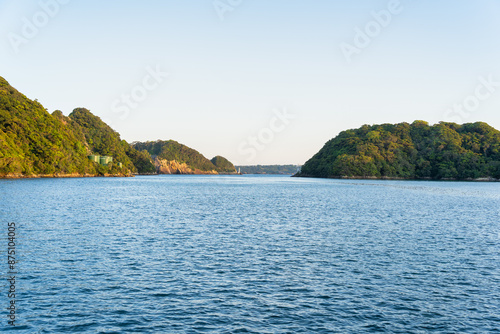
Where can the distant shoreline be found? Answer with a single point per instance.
(480, 179)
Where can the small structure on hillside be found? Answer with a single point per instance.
(103, 160)
(94, 158)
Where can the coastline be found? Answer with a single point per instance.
(77, 175)
(386, 178)
(480, 179)
(59, 176)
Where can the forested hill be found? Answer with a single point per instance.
(223, 165)
(410, 151)
(269, 169)
(103, 140)
(34, 142)
(172, 151)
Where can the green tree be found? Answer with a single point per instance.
(417, 150)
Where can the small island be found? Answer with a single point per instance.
(417, 151)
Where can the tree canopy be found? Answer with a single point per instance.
(223, 165)
(32, 141)
(35, 142)
(410, 151)
(171, 150)
(269, 169)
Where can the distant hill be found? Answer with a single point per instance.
(223, 165)
(269, 169)
(171, 157)
(410, 151)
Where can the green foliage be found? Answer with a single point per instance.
(34, 142)
(410, 151)
(142, 161)
(101, 138)
(269, 169)
(223, 165)
(171, 150)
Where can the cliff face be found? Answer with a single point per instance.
(173, 167)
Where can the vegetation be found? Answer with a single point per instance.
(141, 160)
(171, 150)
(34, 142)
(410, 151)
(100, 138)
(269, 169)
(223, 165)
(103, 140)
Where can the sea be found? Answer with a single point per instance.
(250, 254)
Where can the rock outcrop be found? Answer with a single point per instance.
(173, 167)
(171, 157)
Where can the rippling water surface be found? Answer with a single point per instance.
(250, 254)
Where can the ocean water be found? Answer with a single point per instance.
(252, 254)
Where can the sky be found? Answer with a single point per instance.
(260, 81)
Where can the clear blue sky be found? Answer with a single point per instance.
(227, 77)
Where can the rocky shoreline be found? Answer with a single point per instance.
(59, 176)
(166, 171)
(174, 167)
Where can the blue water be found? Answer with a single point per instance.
(253, 254)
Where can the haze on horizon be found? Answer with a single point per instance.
(254, 81)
